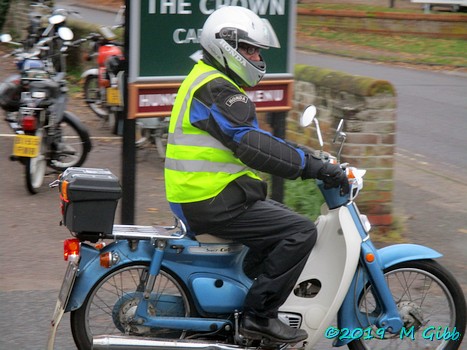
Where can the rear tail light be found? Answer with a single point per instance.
(29, 123)
(71, 248)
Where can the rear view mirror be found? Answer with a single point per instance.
(308, 116)
(65, 33)
(56, 19)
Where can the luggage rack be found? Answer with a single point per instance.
(149, 232)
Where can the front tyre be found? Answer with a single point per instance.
(94, 98)
(430, 301)
(110, 306)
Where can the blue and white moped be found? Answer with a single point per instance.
(155, 288)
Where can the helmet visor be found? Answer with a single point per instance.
(273, 41)
(267, 40)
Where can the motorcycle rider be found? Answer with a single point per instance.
(213, 146)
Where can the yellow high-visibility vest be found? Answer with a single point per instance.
(197, 166)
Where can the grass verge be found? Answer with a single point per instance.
(383, 47)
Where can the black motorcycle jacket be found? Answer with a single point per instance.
(232, 120)
(228, 115)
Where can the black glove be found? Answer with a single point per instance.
(331, 174)
(334, 176)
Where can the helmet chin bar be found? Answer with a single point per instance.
(244, 72)
(247, 81)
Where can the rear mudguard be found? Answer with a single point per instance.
(209, 297)
(90, 270)
(90, 72)
(389, 256)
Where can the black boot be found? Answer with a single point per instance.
(273, 329)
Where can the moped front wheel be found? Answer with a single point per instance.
(430, 302)
(35, 168)
(110, 307)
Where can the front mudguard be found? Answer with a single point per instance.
(90, 72)
(388, 256)
(91, 272)
(398, 253)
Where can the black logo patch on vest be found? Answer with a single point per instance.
(236, 98)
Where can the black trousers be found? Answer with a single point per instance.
(279, 242)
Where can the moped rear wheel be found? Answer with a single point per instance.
(110, 306)
(93, 96)
(431, 304)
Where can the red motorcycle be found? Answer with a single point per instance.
(103, 91)
(103, 86)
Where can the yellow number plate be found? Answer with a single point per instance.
(113, 97)
(26, 146)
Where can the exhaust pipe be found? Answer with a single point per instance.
(106, 342)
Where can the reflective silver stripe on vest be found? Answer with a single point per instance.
(193, 139)
(202, 166)
(205, 140)
(196, 140)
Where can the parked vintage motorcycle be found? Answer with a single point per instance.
(103, 85)
(103, 91)
(152, 132)
(35, 103)
(36, 23)
(44, 22)
(156, 288)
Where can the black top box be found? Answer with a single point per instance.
(89, 198)
(91, 184)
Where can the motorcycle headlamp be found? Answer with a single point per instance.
(39, 94)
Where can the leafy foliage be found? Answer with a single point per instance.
(303, 197)
(4, 5)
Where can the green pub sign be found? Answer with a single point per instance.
(164, 42)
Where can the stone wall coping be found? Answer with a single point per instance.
(340, 81)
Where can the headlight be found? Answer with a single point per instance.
(39, 94)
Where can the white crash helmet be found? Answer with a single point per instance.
(228, 26)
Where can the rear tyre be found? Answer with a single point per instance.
(36, 167)
(71, 145)
(110, 306)
(428, 296)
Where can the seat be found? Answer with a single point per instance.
(207, 238)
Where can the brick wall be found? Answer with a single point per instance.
(368, 107)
